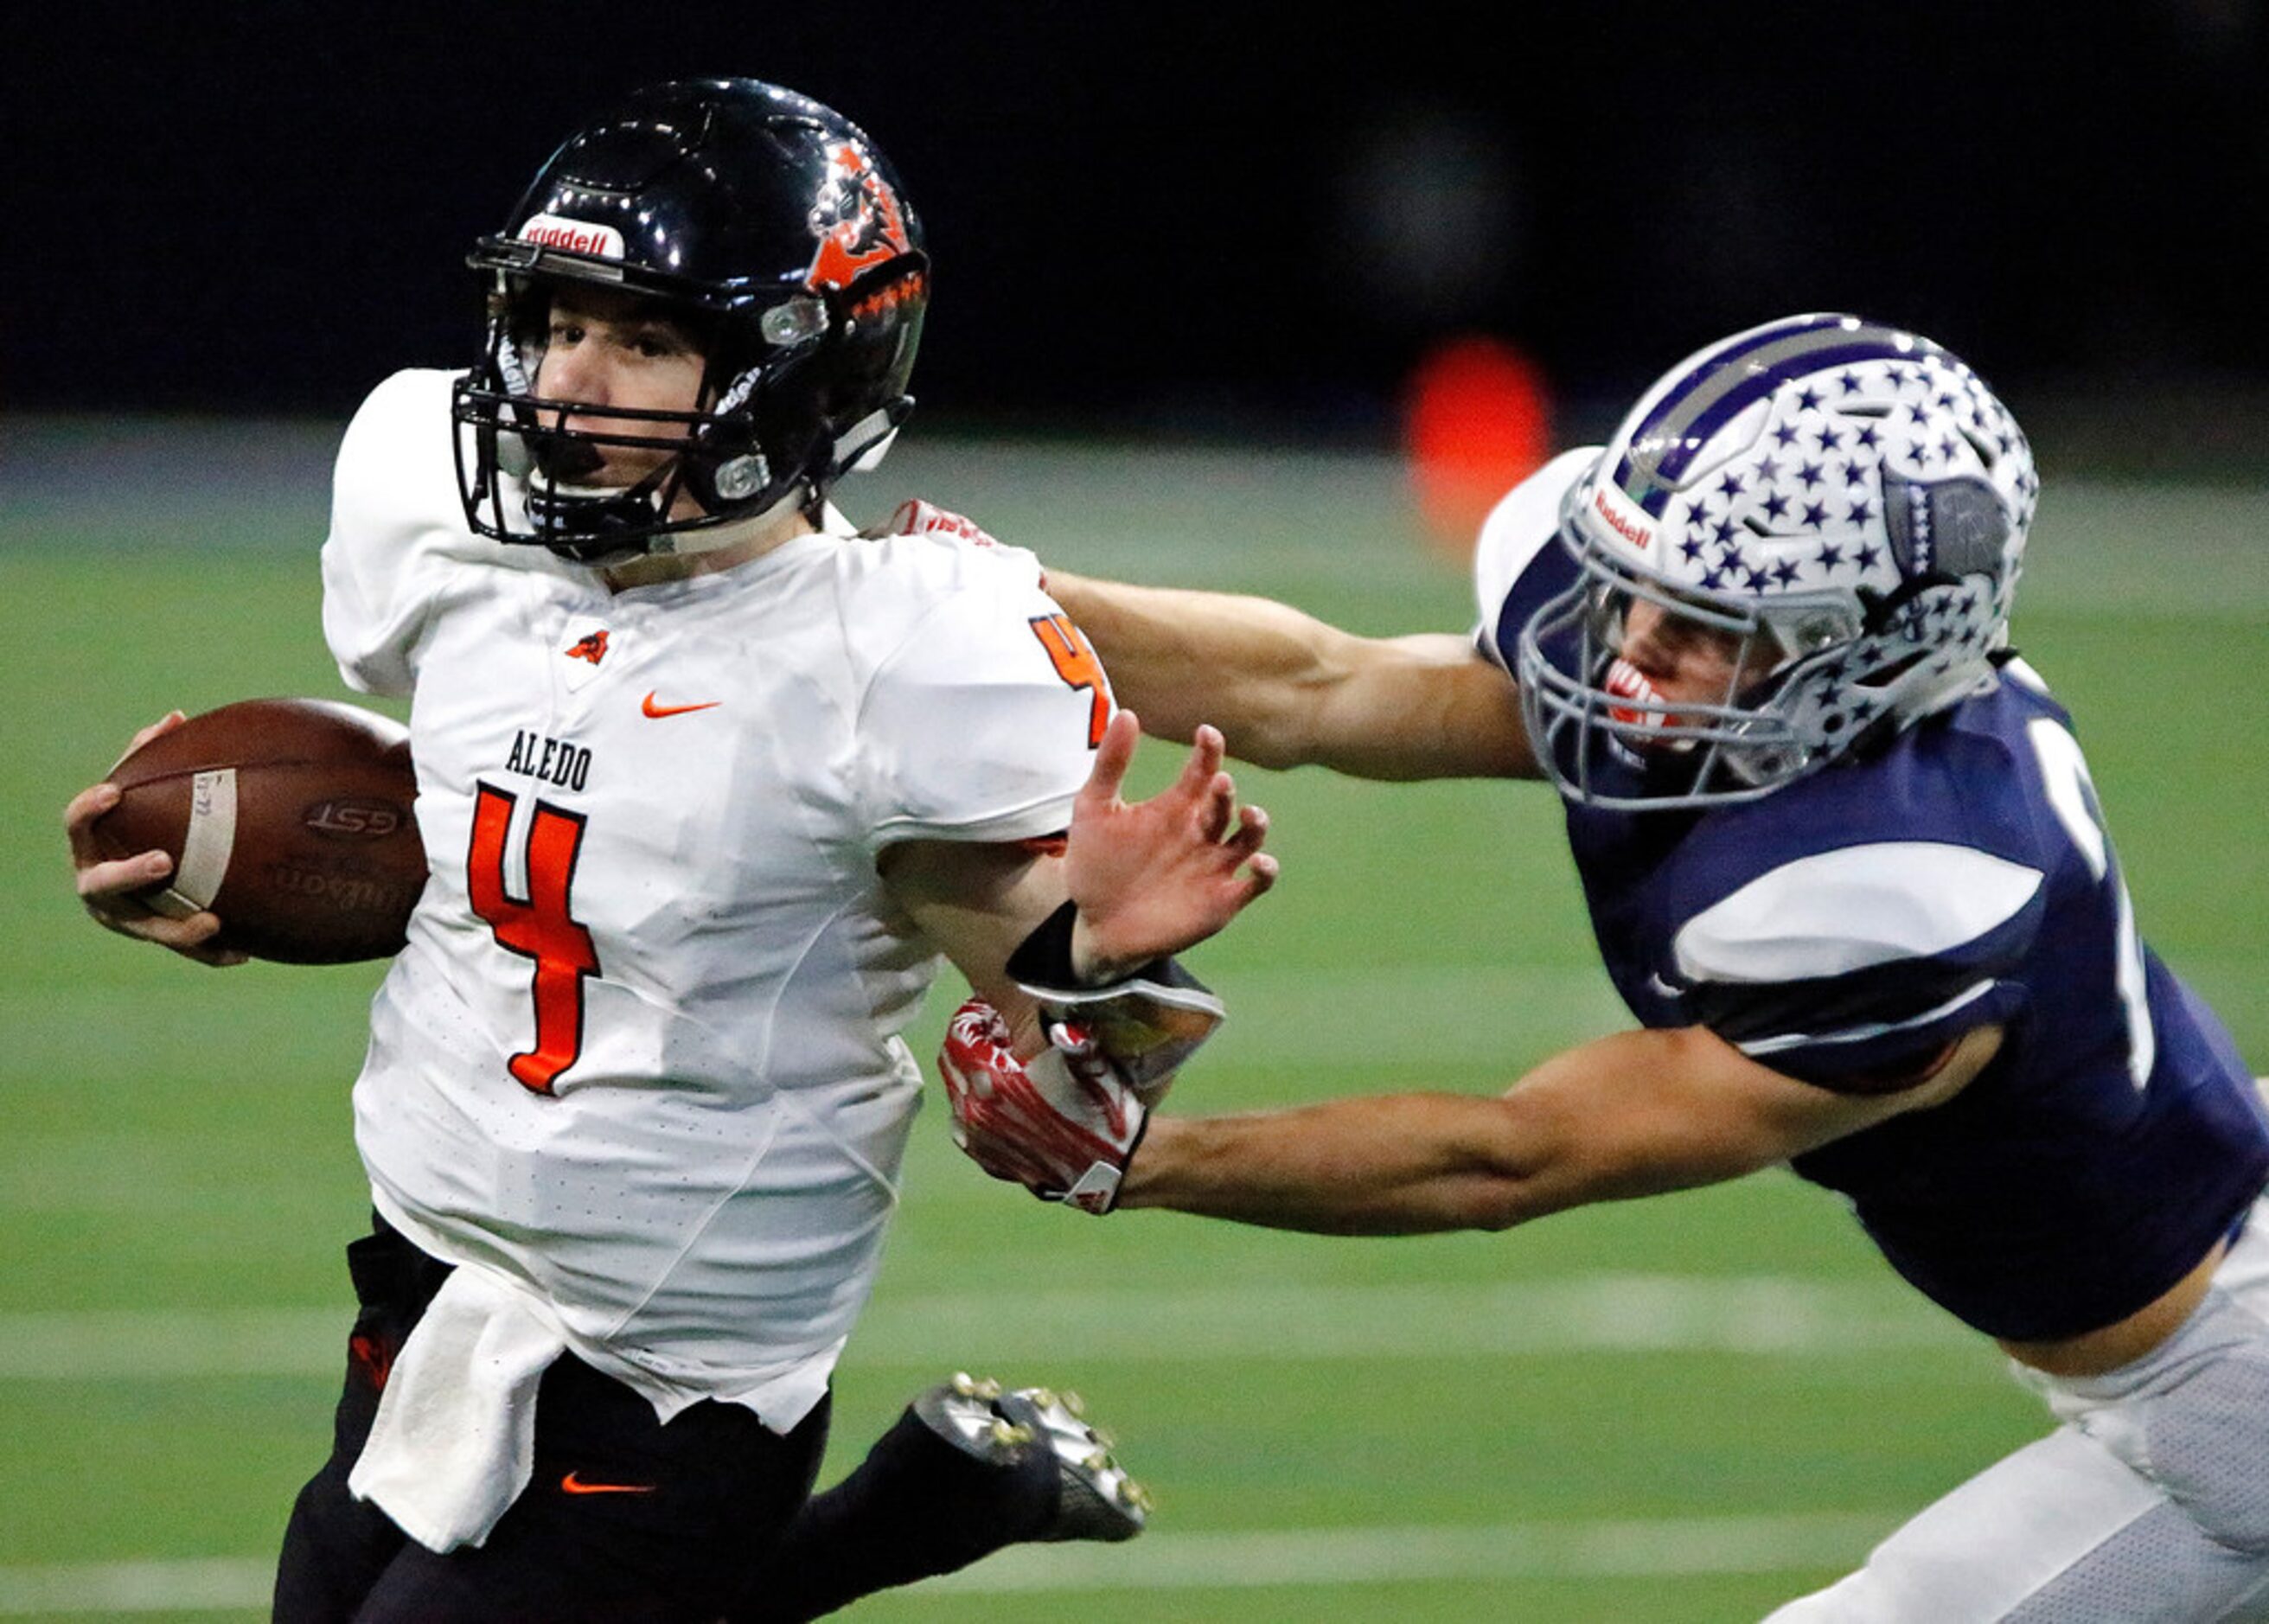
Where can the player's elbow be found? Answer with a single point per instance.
(1504, 1174)
(1491, 1204)
(1532, 1155)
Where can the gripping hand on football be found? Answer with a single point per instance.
(108, 886)
(1157, 876)
(1063, 1125)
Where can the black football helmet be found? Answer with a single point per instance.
(770, 227)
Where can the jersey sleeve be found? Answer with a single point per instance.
(982, 722)
(1518, 562)
(1849, 966)
(396, 526)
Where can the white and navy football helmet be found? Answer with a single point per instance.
(1848, 500)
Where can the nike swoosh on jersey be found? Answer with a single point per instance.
(573, 1484)
(647, 707)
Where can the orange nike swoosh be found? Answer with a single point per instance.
(573, 1484)
(649, 707)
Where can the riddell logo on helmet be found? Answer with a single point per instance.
(1637, 535)
(857, 219)
(552, 231)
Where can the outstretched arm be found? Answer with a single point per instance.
(1146, 881)
(1289, 689)
(1150, 878)
(1638, 1113)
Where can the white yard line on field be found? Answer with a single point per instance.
(1666, 1548)
(1635, 1313)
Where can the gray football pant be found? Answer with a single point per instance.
(2149, 1503)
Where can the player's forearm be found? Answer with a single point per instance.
(1396, 1164)
(1289, 689)
(1179, 658)
(1632, 1114)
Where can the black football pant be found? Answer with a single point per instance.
(625, 1519)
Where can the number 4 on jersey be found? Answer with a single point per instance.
(1075, 661)
(540, 928)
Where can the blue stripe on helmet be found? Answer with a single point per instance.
(1718, 388)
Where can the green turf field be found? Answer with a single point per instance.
(1681, 1410)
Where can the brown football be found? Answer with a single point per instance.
(289, 818)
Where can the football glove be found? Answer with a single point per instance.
(1063, 1125)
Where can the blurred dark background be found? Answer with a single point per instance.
(1188, 220)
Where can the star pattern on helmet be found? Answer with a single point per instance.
(1807, 483)
(1803, 510)
(1809, 501)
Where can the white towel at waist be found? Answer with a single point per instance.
(454, 1440)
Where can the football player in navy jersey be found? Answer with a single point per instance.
(1846, 868)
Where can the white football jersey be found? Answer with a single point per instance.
(641, 1052)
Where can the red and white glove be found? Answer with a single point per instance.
(1063, 1125)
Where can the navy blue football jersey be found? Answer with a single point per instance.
(1846, 928)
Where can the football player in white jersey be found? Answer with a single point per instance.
(1846, 868)
(707, 784)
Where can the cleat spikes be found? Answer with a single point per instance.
(968, 1386)
(1041, 1430)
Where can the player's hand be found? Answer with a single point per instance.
(1162, 875)
(107, 885)
(1064, 1125)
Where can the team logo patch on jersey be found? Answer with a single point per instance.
(856, 218)
(593, 647)
(586, 650)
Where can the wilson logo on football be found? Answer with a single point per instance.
(856, 218)
(552, 231)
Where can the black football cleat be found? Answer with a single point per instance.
(1094, 1497)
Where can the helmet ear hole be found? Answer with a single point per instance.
(1945, 526)
(738, 478)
